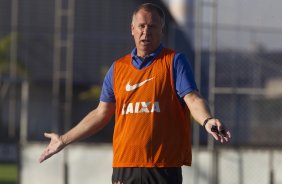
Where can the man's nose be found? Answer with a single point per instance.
(146, 30)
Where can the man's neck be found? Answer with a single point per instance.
(142, 55)
(142, 58)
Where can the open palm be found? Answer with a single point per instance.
(56, 144)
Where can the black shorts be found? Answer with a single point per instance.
(141, 175)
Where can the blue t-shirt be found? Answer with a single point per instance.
(183, 76)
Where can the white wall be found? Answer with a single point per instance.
(90, 164)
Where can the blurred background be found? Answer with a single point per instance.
(54, 55)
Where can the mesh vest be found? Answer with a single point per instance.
(152, 127)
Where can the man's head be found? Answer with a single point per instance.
(147, 26)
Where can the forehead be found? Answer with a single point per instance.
(146, 16)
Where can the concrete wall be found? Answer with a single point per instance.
(89, 163)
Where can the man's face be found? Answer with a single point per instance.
(147, 31)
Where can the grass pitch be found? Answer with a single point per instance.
(8, 173)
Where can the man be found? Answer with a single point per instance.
(152, 93)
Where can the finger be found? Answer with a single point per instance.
(42, 157)
(220, 133)
(48, 135)
(45, 155)
(229, 134)
(215, 135)
(214, 132)
(226, 137)
(226, 134)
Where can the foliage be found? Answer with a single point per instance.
(5, 44)
(94, 92)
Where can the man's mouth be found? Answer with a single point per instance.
(145, 42)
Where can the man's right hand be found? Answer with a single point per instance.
(56, 144)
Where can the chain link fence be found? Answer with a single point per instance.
(248, 85)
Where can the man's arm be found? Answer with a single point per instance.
(89, 125)
(200, 111)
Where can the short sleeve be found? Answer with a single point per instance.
(107, 94)
(183, 75)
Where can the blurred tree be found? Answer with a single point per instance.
(5, 44)
(94, 92)
(5, 76)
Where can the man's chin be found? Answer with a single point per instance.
(146, 44)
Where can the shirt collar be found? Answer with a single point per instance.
(138, 63)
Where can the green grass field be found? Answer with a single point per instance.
(8, 173)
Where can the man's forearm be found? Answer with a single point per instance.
(198, 107)
(82, 130)
(89, 125)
